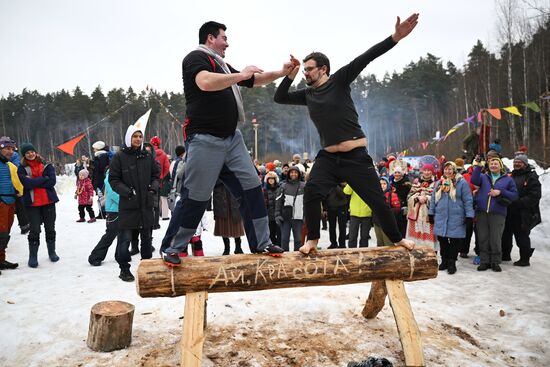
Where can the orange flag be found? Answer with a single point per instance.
(495, 112)
(68, 147)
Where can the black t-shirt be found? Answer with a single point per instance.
(330, 106)
(213, 113)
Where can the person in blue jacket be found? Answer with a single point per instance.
(111, 232)
(451, 208)
(496, 191)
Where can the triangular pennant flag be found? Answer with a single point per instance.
(513, 110)
(495, 112)
(425, 144)
(532, 105)
(547, 97)
(141, 123)
(470, 119)
(68, 147)
(479, 118)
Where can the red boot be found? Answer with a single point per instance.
(197, 248)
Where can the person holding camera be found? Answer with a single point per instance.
(496, 192)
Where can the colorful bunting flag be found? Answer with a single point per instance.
(532, 105)
(470, 120)
(495, 112)
(68, 147)
(141, 123)
(425, 144)
(513, 110)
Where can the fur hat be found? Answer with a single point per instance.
(6, 141)
(98, 145)
(273, 175)
(155, 141)
(26, 147)
(452, 164)
(459, 163)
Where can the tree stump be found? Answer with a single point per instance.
(110, 326)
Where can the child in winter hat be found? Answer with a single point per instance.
(85, 193)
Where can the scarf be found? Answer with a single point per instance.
(234, 87)
(447, 185)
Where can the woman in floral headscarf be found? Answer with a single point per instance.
(451, 207)
(419, 229)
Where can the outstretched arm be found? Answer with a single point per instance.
(269, 76)
(212, 82)
(282, 95)
(349, 72)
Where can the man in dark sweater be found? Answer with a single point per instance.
(344, 155)
(215, 147)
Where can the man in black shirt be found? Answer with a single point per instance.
(215, 147)
(344, 155)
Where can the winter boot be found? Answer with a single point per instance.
(172, 259)
(51, 251)
(25, 229)
(92, 220)
(134, 249)
(443, 265)
(33, 254)
(4, 239)
(496, 267)
(81, 220)
(226, 249)
(126, 275)
(197, 249)
(483, 267)
(524, 255)
(451, 267)
(238, 248)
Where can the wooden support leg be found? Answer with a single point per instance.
(409, 334)
(194, 322)
(376, 300)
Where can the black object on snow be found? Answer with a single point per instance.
(372, 362)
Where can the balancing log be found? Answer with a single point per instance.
(110, 326)
(247, 272)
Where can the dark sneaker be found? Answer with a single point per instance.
(332, 246)
(95, 262)
(483, 267)
(496, 267)
(92, 220)
(172, 259)
(443, 265)
(81, 220)
(451, 269)
(463, 255)
(520, 262)
(273, 250)
(126, 276)
(134, 251)
(4, 265)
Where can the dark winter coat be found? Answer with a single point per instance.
(100, 165)
(46, 181)
(290, 202)
(402, 188)
(224, 202)
(486, 203)
(335, 199)
(135, 170)
(529, 190)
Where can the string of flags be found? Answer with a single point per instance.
(477, 118)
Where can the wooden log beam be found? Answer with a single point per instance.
(257, 272)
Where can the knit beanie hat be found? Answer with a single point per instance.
(270, 166)
(84, 173)
(523, 158)
(98, 145)
(26, 147)
(5, 141)
(428, 167)
(180, 149)
(155, 141)
(459, 162)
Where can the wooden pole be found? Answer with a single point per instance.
(257, 272)
(376, 300)
(409, 334)
(544, 123)
(194, 321)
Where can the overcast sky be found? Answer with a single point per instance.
(55, 44)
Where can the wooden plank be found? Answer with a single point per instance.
(238, 273)
(409, 334)
(376, 300)
(194, 321)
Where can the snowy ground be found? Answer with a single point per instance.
(44, 312)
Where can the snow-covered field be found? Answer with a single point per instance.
(466, 319)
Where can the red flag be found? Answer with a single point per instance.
(68, 147)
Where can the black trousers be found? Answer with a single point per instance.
(357, 169)
(513, 227)
(21, 212)
(88, 208)
(274, 233)
(122, 255)
(450, 247)
(111, 232)
(38, 215)
(339, 215)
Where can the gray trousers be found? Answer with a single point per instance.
(209, 157)
(356, 223)
(489, 228)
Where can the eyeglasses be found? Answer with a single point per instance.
(309, 69)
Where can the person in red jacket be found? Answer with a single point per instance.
(85, 194)
(164, 162)
(392, 200)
